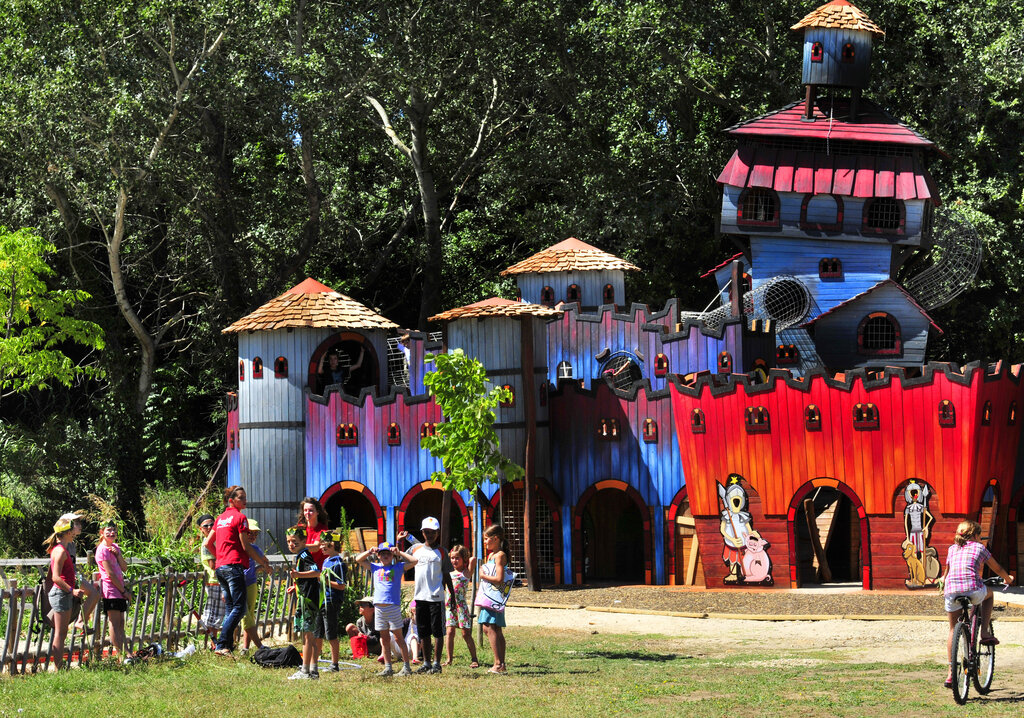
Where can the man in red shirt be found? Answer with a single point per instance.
(229, 542)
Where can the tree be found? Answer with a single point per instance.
(37, 321)
(465, 441)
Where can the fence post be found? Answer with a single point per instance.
(11, 629)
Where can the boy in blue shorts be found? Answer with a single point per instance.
(332, 588)
(387, 599)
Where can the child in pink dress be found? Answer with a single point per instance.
(457, 607)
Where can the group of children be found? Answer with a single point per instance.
(440, 593)
(440, 600)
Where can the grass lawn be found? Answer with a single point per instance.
(553, 673)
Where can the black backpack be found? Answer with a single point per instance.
(278, 657)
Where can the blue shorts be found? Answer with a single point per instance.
(487, 617)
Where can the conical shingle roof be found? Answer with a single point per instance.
(496, 307)
(841, 15)
(567, 256)
(310, 304)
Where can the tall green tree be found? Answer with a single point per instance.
(38, 323)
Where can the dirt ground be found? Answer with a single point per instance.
(857, 641)
(844, 601)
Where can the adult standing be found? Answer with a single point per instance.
(313, 519)
(233, 551)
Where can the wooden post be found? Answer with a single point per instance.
(13, 625)
(736, 298)
(530, 452)
(825, 575)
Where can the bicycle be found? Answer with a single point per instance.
(971, 660)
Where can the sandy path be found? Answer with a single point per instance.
(858, 641)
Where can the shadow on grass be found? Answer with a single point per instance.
(635, 656)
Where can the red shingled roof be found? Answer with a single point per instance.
(719, 266)
(863, 294)
(496, 307)
(788, 170)
(831, 122)
(566, 256)
(311, 304)
(841, 15)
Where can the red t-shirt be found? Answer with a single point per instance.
(228, 538)
(313, 544)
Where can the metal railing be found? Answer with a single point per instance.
(167, 609)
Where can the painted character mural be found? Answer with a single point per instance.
(744, 551)
(922, 560)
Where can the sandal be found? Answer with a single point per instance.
(474, 664)
(949, 681)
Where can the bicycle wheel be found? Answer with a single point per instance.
(960, 663)
(986, 665)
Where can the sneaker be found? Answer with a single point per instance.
(314, 675)
(299, 675)
(406, 671)
(222, 652)
(435, 669)
(387, 672)
(333, 668)
(425, 668)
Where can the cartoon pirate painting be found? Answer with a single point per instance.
(922, 560)
(740, 537)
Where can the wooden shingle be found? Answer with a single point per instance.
(570, 255)
(841, 15)
(310, 304)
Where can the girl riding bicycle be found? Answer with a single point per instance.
(964, 562)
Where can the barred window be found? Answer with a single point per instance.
(879, 334)
(884, 214)
(758, 207)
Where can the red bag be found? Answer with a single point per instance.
(358, 644)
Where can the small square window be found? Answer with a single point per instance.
(865, 417)
(650, 431)
(757, 420)
(347, 435)
(608, 429)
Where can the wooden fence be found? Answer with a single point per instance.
(166, 610)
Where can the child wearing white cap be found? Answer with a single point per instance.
(433, 575)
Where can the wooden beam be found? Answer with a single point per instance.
(824, 574)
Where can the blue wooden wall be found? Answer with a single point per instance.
(591, 286)
(836, 334)
(271, 424)
(864, 266)
(580, 458)
(853, 209)
(832, 70)
(579, 337)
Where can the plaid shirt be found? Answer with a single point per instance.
(964, 562)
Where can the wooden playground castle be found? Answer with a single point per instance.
(793, 435)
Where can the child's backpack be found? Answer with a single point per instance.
(278, 657)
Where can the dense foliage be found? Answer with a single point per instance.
(191, 160)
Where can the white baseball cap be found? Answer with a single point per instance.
(430, 523)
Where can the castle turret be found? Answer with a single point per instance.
(283, 348)
(571, 271)
(837, 51)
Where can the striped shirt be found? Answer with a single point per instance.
(963, 562)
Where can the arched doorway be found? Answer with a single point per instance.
(511, 499)
(686, 566)
(362, 511)
(613, 534)
(348, 346)
(828, 535)
(424, 500)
